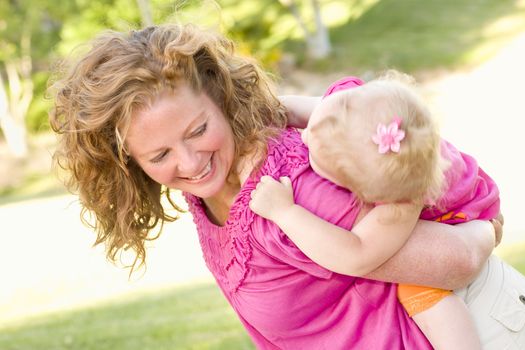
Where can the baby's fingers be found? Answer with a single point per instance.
(266, 179)
(285, 180)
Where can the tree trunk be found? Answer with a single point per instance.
(14, 103)
(14, 132)
(145, 13)
(318, 44)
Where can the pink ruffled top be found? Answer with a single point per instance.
(285, 300)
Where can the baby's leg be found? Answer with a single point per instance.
(448, 325)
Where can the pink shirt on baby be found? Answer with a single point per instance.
(285, 300)
(469, 193)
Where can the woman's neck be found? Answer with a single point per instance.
(218, 206)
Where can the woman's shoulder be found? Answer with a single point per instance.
(287, 155)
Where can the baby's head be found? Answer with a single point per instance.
(340, 138)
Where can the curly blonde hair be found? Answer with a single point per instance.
(123, 72)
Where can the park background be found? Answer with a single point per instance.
(58, 292)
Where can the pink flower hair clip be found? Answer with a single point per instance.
(388, 137)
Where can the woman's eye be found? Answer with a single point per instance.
(200, 130)
(160, 157)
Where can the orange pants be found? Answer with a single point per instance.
(416, 299)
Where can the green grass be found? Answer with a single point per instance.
(514, 255)
(190, 317)
(32, 186)
(416, 36)
(196, 317)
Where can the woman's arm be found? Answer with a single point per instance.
(299, 109)
(440, 255)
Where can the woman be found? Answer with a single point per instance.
(173, 107)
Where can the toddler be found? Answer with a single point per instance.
(379, 141)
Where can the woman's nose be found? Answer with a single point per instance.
(187, 162)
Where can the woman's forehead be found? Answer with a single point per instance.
(170, 113)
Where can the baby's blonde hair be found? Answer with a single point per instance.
(343, 141)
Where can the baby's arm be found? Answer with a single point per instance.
(370, 243)
(299, 108)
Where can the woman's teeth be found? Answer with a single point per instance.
(203, 173)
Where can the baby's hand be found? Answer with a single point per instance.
(272, 198)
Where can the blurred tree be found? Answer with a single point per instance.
(92, 17)
(35, 34)
(28, 31)
(145, 12)
(16, 92)
(32, 34)
(317, 40)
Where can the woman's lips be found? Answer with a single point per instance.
(203, 173)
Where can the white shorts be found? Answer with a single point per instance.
(496, 300)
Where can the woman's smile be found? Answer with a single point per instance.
(203, 174)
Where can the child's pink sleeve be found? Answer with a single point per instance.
(343, 84)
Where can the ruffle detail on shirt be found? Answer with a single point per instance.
(287, 156)
(207, 242)
(227, 250)
(239, 247)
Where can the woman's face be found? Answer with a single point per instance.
(183, 141)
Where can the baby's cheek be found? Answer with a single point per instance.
(304, 136)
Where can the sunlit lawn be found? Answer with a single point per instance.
(514, 255)
(35, 185)
(416, 36)
(193, 317)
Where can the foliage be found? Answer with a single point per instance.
(28, 28)
(40, 105)
(260, 28)
(410, 35)
(93, 17)
(39, 17)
